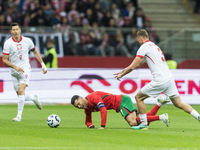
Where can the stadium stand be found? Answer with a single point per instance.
(170, 23)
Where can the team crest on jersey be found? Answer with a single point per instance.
(19, 46)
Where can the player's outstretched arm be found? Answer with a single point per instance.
(39, 58)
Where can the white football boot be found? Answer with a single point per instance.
(163, 101)
(17, 119)
(165, 119)
(37, 103)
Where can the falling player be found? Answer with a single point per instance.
(102, 101)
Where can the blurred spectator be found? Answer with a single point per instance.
(73, 13)
(119, 43)
(172, 64)
(129, 10)
(98, 12)
(50, 59)
(115, 12)
(128, 22)
(131, 42)
(8, 16)
(86, 44)
(2, 23)
(39, 19)
(91, 16)
(112, 23)
(100, 39)
(139, 18)
(106, 19)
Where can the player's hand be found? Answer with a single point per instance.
(44, 68)
(118, 75)
(19, 70)
(101, 128)
(91, 126)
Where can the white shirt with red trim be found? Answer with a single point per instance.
(18, 52)
(155, 60)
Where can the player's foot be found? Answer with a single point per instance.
(140, 127)
(165, 119)
(37, 103)
(17, 119)
(199, 118)
(163, 101)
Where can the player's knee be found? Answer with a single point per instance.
(20, 91)
(137, 98)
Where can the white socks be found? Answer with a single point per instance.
(194, 113)
(20, 105)
(143, 119)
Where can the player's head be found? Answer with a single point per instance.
(15, 29)
(79, 102)
(142, 36)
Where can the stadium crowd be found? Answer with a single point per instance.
(98, 23)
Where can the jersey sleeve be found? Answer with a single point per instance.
(6, 48)
(32, 46)
(88, 117)
(142, 51)
(101, 107)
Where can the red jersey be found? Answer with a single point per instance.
(101, 101)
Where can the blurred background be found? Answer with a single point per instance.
(106, 28)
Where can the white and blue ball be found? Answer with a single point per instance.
(53, 121)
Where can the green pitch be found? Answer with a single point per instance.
(34, 133)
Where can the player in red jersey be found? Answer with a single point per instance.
(103, 101)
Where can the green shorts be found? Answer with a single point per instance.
(127, 106)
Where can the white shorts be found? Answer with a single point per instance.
(20, 78)
(154, 89)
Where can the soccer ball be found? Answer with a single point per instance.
(53, 121)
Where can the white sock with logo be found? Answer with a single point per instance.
(20, 105)
(143, 119)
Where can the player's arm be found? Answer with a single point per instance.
(6, 61)
(39, 58)
(103, 111)
(88, 118)
(136, 63)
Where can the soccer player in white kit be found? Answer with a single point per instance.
(162, 81)
(15, 55)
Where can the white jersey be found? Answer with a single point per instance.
(155, 60)
(18, 52)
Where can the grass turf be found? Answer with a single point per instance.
(33, 132)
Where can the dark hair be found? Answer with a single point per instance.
(74, 98)
(14, 24)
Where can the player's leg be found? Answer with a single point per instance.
(160, 101)
(173, 94)
(21, 98)
(185, 107)
(128, 110)
(140, 97)
(164, 118)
